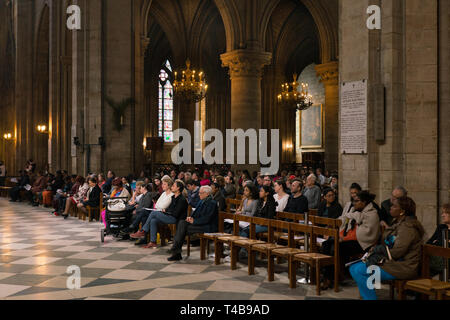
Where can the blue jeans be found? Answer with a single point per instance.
(360, 275)
(246, 231)
(155, 218)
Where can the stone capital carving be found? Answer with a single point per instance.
(144, 44)
(245, 63)
(328, 73)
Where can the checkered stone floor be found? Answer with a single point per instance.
(37, 248)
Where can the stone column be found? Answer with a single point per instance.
(245, 69)
(23, 129)
(87, 88)
(329, 77)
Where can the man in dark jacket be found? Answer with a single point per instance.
(24, 180)
(106, 188)
(193, 193)
(203, 219)
(297, 202)
(384, 211)
(93, 196)
(218, 197)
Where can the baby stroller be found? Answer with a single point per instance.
(117, 217)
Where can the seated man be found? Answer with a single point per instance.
(24, 180)
(176, 211)
(92, 197)
(203, 219)
(385, 217)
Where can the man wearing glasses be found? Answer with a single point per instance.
(203, 219)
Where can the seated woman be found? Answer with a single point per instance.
(437, 264)
(280, 196)
(247, 207)
(163, 203)
(176, 211)
(265, 209)
(77, 197)
(101, 180)
(117, 191)
(354, 189)
(399, 254)
(59, 199)
(92, 196)
(330, 207)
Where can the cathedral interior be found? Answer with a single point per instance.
(101, 96)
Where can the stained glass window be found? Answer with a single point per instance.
(165, 99)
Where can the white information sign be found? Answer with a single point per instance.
(353, 118)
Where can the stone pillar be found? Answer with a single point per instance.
(245, 69)
(353, 66)
(23, 130)
(87, 88)
(329, 77)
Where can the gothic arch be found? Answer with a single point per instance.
(325, 15)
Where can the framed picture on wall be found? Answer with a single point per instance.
(311, 127)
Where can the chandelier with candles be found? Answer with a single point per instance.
(290, 97)
(191, 87)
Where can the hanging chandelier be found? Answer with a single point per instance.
(290, 97)
(191, 87)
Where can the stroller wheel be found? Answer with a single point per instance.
(102, 235)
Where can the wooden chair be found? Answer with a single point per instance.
(263, 248)
(232, 204)
(289, 251)
(245, 243)
(220, 240)
(312, 212)
(239, 197)
(327, 222)
(425, 285)
(249, 243)
(4, 191)
(317, 260)
(281, 215)
(206, 237)
(290, 217)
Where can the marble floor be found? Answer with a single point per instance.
(37, 248)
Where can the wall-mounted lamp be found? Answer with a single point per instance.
(288, 146)
(8, 136)
(42, 129)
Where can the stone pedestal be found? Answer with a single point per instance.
(245, 69)
(329, 76)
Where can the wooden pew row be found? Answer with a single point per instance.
(291, 252)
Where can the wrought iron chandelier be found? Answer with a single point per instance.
(290, 97)
(191, 87)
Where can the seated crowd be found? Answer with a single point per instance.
(166, 199)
